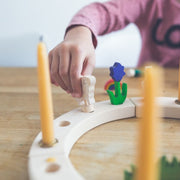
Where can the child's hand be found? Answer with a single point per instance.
(74, 57)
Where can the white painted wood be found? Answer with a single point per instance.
(80, 123)
(167, 104)
(137, 101)
(38, 167)
(169, 108)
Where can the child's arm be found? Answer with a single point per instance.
(74, 57)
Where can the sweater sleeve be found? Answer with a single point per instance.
(103, 18)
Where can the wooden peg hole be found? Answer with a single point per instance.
(64, 123)
(53, 168)
(41, 143)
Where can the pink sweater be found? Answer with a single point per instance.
(157, 20)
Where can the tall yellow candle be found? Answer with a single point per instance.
(147, 159)
(45, 96)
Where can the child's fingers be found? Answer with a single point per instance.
(75, 71)
(50, 55)
(64, 67)
(50, 59)
(63, 86)
(88, 66)
(55, 71)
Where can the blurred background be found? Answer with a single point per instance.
(22, 22)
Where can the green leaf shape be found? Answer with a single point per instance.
(130, 175)
(168, 170)
(118, 97)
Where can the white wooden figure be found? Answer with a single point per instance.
(87, 101)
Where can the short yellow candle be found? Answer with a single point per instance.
(45, 96)
(147, 159)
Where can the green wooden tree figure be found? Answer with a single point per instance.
(117, 73)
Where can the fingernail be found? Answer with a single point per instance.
(76, 95)
(54, 84)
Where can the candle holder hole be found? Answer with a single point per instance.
(64, 123)
(53, 168)
(43, 145)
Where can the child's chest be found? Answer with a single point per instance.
(166, 27)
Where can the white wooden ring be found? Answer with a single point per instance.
(53, 163)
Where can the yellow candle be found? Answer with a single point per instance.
(147, 159)
(45, 96)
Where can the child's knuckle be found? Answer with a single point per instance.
(63, 72)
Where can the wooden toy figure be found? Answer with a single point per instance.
(87, 101)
